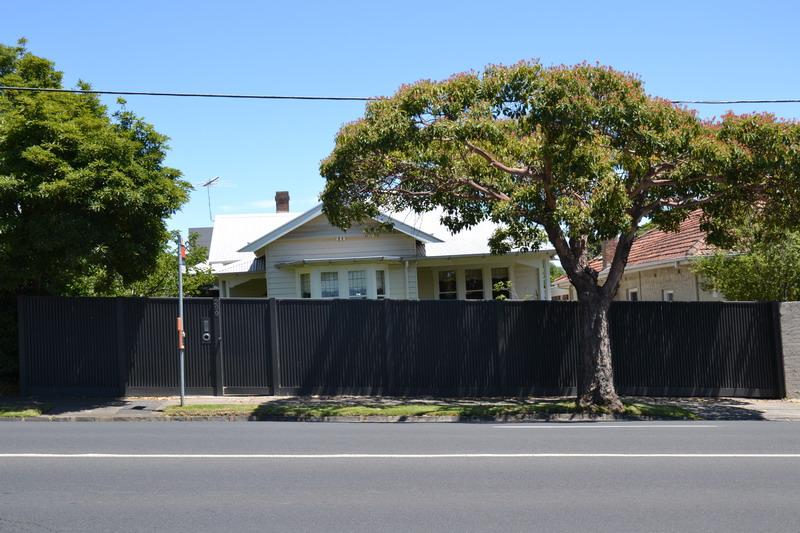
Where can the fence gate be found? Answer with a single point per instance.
(245, 349)
(150, 345)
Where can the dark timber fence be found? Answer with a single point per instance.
(127, 346)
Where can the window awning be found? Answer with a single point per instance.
(339, 261)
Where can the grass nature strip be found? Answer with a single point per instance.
(21, 411)
(479, 411)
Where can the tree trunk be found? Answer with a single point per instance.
(596, 376)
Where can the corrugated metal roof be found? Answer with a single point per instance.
(244, 266)
(231, 232)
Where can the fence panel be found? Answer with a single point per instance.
(694, 349)
(331, 346)
(442, 348)
(68, 346)
(539, 347)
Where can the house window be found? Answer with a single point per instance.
(500, 275)
(633, 295)
(380, 284)
(305, 285)
(474, 283)
(668, 296)
(447, 285)
(357, 283)
(329, 284)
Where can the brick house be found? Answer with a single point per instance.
(659, 266)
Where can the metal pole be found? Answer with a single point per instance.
(181, 332)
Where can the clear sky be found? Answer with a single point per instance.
(682, 50)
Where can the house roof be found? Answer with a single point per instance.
(313, 213)
(657, 246)
(236, 237)
(231, 232)
(470, 241)
(252, 265)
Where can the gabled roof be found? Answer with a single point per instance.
(313, 213)
(657, 246)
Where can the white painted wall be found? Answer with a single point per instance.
(318, 239)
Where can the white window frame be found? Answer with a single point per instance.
(665, 292)
(458, 285)
(344, 284)
(385, 283)
(633, 290)
(366, 284)
(461, 280)
(491, 285)
(300, 285)
(338, 283)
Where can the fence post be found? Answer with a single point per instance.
(274, 346)
(122, 356)
(219, 369)
(777, 335)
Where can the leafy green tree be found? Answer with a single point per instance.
(764, 268)
(555, 273)
(80, 189)
(162, 281)
(573, 155)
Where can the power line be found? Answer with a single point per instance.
(330, 98)
(725, 102)
(192, 95)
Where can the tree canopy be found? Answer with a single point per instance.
(161, 282)
(764, 267)
(571, 154)
(80, 188)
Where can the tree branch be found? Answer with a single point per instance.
(492, 160)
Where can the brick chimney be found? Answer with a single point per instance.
(282, 202)
(607, 250)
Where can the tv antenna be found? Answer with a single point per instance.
(208, 185)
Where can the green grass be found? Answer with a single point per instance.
(480, 411)
(21, 411)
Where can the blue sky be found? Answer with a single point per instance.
(682, 50)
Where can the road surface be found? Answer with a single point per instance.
(274, 476)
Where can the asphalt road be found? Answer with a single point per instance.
(680, 476)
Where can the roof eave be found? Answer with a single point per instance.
(339, 260)
(423, 258)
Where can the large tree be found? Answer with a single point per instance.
(80, 188)
(574, 155)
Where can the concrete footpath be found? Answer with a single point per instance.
(153, 408)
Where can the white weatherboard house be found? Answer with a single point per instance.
(301, 255)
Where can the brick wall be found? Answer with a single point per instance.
(790, 337)
(652, 284)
